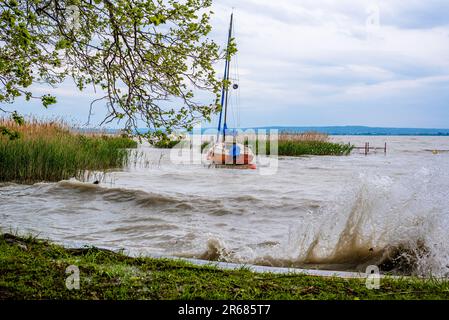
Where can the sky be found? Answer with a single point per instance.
(378, 63)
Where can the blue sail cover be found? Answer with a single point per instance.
(235, 150)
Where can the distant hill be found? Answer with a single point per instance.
(337, 130)
(362, 131)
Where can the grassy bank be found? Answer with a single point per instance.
(34, 269)
(49, 151)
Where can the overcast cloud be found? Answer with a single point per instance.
(324, 62)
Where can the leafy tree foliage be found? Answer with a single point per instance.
(148, 57)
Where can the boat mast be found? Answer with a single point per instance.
(227, 79)
(225, 90)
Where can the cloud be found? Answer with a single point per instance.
(305, 55)
(319, 62)
(392, 87)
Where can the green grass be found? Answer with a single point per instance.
(304, 148)
(52, 153)
(318, 148)
(35, 269)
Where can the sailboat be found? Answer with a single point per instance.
(227, 152)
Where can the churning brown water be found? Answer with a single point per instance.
(340, 213)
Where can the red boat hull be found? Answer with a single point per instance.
(221, 159)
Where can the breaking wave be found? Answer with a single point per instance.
(400, 226)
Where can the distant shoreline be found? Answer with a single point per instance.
(361, 130)
(332, 131)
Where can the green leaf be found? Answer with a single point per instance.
(48, 100)
(18, 118)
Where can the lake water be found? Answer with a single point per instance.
(335, 213)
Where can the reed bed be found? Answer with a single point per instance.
(289, 144)
(49, 151)
(296, 144)
(310, 143)
(318, 148)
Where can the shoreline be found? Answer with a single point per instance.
(35, 269)
(274, 270)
